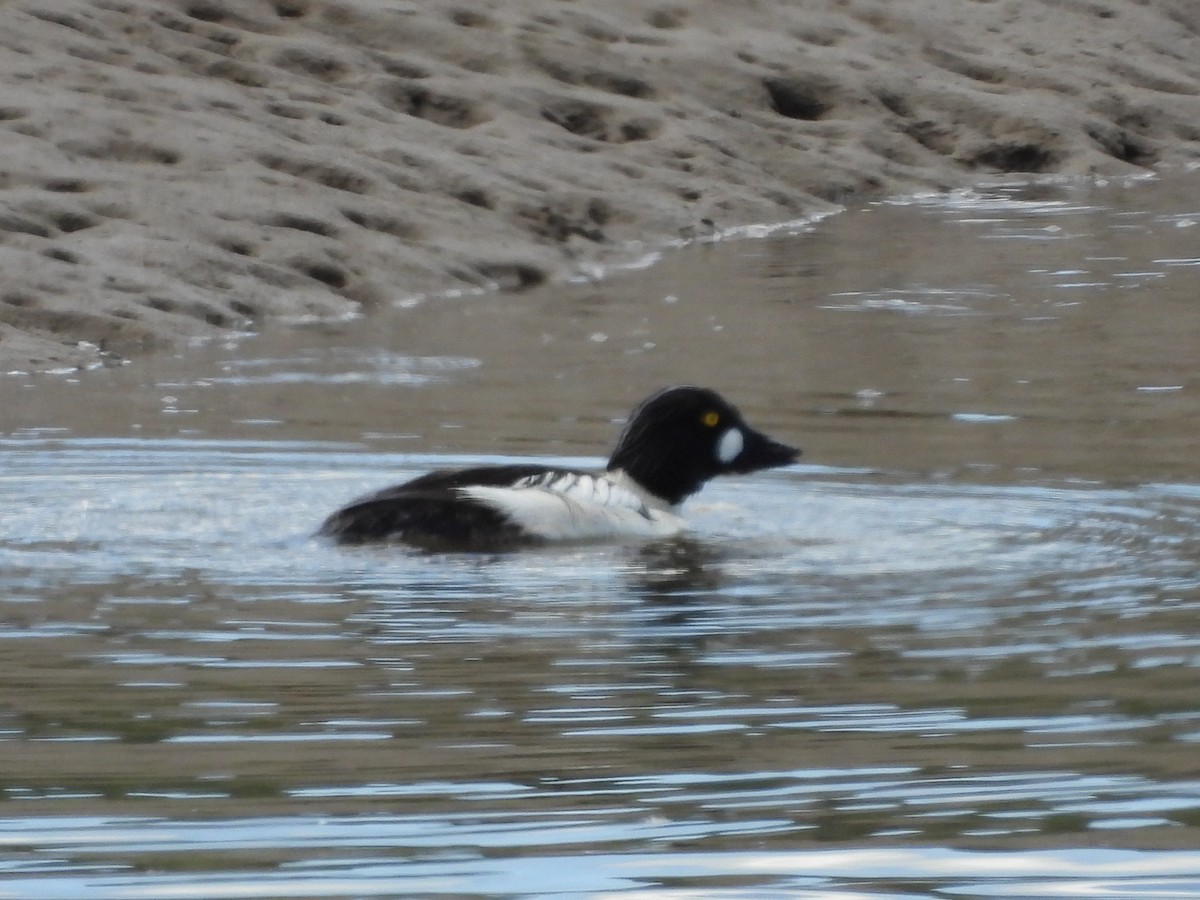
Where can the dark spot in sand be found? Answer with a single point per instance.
(308, 61)
(382, 223)
(239, 73)
(1016, 156)
(239, 247)
(895, 103)
(302, 223)
(442, 109)
(68, 186)
(1123, 145)
(800, 97)
(470, 18)
(598, 122)
(71, 221)
(291, 9)
(206, 12)
(326, 273)
(401, 68)
(476, 196)
(321, 173)
(58, 253)
(243, 309)
(667, 17)
(18, 224)
(124, 150)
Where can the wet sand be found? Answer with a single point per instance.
(180, 169)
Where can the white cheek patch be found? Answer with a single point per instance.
(730, 445)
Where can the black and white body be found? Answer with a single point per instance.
(673, 443)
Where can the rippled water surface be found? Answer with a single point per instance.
(952, 654)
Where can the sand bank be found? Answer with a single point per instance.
(172, 169)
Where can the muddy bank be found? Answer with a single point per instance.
(174, 169)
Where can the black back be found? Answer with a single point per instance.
(428, 512)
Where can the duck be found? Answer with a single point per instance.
(672, 443)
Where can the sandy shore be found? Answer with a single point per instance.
(180, 168)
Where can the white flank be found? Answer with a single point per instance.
(730, 445)
(569, 506)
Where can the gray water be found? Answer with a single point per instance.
(951, 654)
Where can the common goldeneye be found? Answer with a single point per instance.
(673, 442)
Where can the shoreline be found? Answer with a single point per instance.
(183, 170)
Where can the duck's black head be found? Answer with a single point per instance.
(680, 437)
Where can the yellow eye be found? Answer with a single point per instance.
(710, 418)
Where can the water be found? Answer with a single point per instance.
(953, 654)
